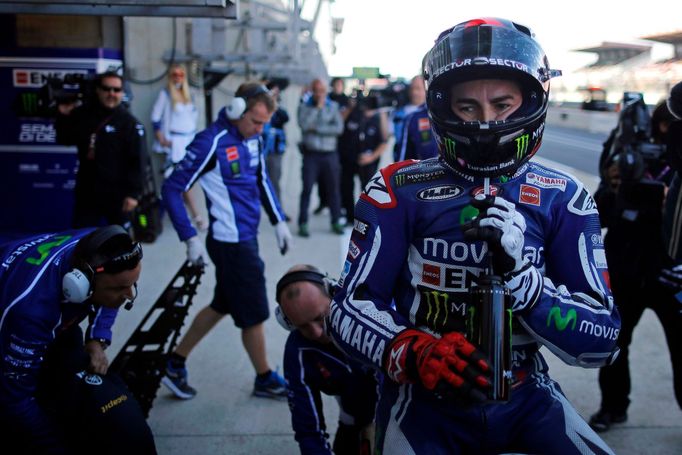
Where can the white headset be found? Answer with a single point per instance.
(237, 105)
(312, 276)
(283, 319)
(77, 285)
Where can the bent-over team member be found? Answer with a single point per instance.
(227, 160)
(421, 239)
(55, 394)
(313, 365)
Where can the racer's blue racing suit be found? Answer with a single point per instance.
(407, 246)
(312, 368)
(417, 141)
(234, 179)
(34, 314)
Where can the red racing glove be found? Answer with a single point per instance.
(448, 366)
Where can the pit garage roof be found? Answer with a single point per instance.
(669, 38)
(227, 9)
(611, 53)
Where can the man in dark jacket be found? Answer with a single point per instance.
(111, 152)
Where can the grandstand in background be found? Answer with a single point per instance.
(624, 67)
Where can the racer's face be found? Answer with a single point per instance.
(113, 289)
(110, 92)
(307, 307)
(252, 122)
(485, 100)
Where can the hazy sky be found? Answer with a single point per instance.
(395, 34)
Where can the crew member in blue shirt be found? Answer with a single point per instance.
(417, 142)
(313, 365)
(56, 395)
(228, 161)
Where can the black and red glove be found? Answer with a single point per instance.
(449, 366)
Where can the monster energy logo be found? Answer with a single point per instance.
(45, 248)
(521, 146)
(471, 323)
(142, 219)
(561, 321)
(399, 179)
(29, 103)
(449, 145)
(437, 303)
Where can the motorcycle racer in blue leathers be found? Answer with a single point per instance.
(422, 236)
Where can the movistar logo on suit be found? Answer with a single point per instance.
(561, 321)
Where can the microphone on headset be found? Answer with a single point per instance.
(128, 303)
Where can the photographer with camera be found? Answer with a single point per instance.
(672, 226)
(360, 148)
(112, 154)
(635, 174)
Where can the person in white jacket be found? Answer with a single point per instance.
(174, 119)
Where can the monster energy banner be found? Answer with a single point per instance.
(40, 172)
(443, 311)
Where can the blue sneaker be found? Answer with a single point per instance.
(176, 380)
(274, 386)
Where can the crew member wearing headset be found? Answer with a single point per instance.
(227, 160)
(313, 365)
(55, 394)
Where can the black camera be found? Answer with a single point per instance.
(69, 88)
(631, 142)
(394, 95)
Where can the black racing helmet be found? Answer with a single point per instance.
(488, 48)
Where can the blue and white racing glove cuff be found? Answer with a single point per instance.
(525, 286)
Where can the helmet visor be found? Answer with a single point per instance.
(472, 52)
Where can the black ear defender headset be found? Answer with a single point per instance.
(329, 284)
(237, 105)
(105, 250)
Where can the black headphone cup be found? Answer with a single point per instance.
(302, 275)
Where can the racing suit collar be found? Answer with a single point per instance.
(498, 180)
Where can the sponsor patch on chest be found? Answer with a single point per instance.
(529, 195)
(546, 182)
(440, 193)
